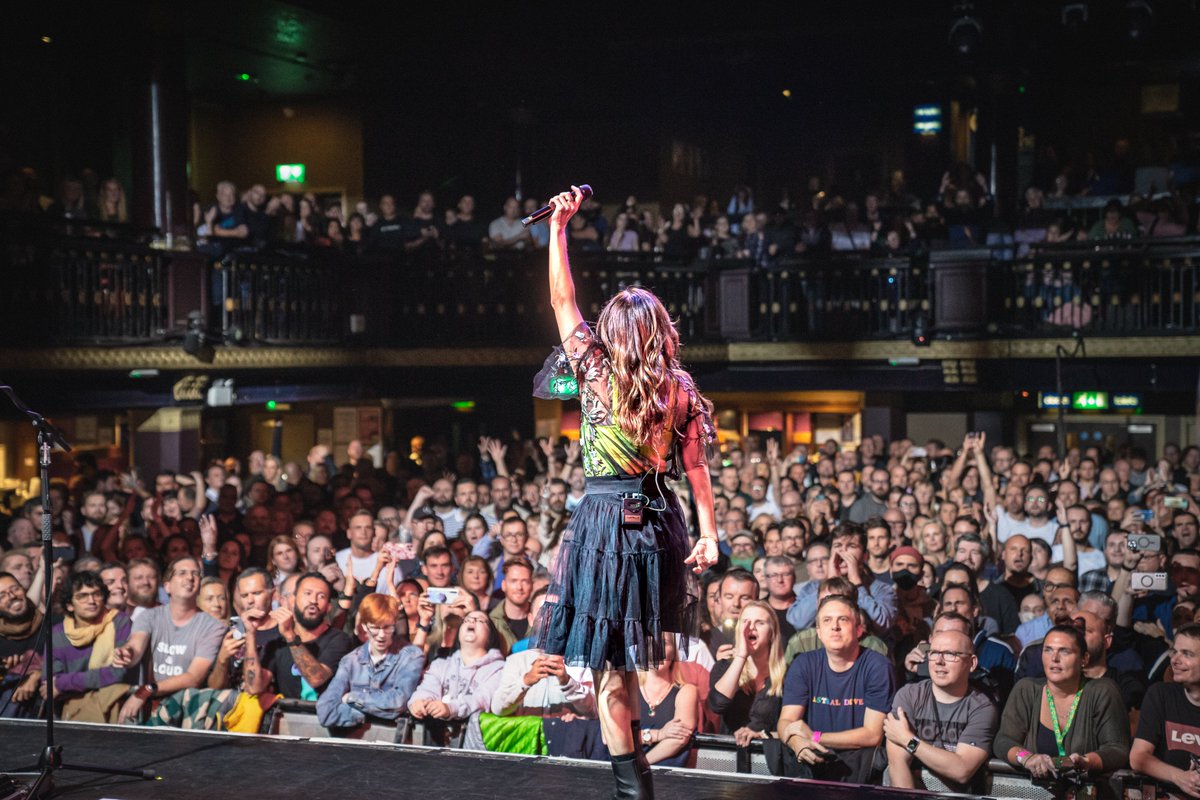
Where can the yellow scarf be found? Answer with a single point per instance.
(102, 635)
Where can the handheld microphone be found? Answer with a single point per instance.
(546, 210)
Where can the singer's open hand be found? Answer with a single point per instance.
(565, 205)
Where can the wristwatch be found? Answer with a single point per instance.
(912, 745)
(647, 737)
(146, 691)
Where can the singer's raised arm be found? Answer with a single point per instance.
(562, 287)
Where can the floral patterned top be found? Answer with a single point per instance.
(580, 367)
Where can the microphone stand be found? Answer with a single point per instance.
(50, 760)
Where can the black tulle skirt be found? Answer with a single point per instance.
(616, 589)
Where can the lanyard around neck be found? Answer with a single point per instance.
(1060, 735)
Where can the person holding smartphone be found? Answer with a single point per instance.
(642, 421)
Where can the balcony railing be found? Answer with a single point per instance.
(62, 288)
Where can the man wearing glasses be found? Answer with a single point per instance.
(89, 687)
(1060, 595)
(780, 573)
(1038, 523)
(941, 725)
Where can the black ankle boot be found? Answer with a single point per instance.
(645, 777)
(627, 774)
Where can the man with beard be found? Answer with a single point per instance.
(1038, 523)
(182, 640)
(443, 504)
(305, 656)
(873, 501)
(116, 585)
(466, 503)
(94, 536)
(553, 516)
(20, 664)
(88, 685)
(1076, 552)
(511, 616)
(143, 586)
(943, 724)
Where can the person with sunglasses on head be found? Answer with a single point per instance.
(942, 725)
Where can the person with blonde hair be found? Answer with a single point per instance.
(283, 558)
(642, 420)
(747, 689)
(111, 205)
(376, 680)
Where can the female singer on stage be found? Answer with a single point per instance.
(620, 581)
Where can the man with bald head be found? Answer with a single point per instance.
(1016, 558)
(1060, 594)
(942, 724)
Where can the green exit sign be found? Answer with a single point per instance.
(1089, 401)
(289, 173)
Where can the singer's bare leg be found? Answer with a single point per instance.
(616, 695)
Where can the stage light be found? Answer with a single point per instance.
(787, 92)
(966, 32)
(1139, 20)
(920, 337)
(46, 40)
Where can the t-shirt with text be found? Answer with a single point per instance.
(838, 701)
(971, 721)
(1171, 723)
(173, 647)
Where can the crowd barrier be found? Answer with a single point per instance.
(714, 752)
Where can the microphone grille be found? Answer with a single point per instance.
(585, 190)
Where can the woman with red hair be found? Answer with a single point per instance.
(621, 580)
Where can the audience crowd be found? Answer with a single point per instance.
(885, 613)
(890, 220)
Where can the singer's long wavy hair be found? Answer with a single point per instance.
(643, 348)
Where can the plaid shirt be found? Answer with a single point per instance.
(1095, 581)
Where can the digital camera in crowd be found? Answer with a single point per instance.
(1144, 543)
(1148, 582)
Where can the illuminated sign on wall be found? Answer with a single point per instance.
(927, 120)
(1090, 401)
(289, 173)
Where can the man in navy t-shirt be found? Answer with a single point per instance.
(835, 700)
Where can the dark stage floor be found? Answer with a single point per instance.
(211, 766)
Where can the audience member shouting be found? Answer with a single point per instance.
(1065, 720)
(457, 688)
(181, 639)
(20, 662)
(86, 684)
(746, 689)
(942, 723)
(376, 680)
(827, 741)
(1166, 746)
(301, 662)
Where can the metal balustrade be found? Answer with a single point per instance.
(61, 288)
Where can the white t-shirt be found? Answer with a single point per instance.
(363, 567)
(1006, 527)
(505, 228)
(1092, 559)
